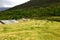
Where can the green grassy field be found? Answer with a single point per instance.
(31, 29)
(43, 22)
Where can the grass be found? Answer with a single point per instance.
(31, 30)
(43, 24)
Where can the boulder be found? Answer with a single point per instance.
(8, 21)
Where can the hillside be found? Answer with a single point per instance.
(33, 9)
(39, 3)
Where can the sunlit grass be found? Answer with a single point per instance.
(31, 30)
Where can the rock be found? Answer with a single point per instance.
(8, 21)
(24, 19)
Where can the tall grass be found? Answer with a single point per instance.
(31, 30)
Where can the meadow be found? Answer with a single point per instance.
(31, 30)
(41, 24)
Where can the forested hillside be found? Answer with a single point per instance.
(33, 9)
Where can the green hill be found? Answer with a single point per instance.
(33, 9)
(39, 3)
